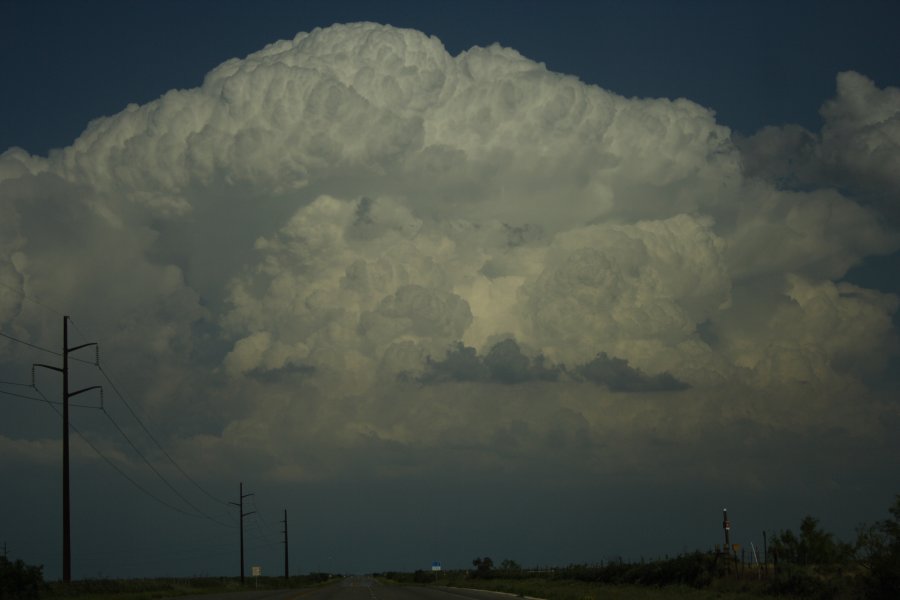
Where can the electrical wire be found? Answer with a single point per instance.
(219, 548)
(48, 350)
(146, 430)
(260, 520)
(263, 535)
(27, 297)
(140, 422)
(45, 307)
(13, 394)
(41, 348)
(156, 471)
(46, 401)
(112, 464)
(153, 438)
(115, 388)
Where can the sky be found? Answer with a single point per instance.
(553, 282)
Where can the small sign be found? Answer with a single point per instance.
(436, 566)
(256, 571)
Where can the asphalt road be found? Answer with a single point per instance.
(360, 588)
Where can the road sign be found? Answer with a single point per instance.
(436, 566)
(256, 571)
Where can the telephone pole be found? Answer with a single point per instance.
(726, 525)
(286, 575)
(67, 521)
(242, 514)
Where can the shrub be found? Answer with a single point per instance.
(19, 581)
(813, 547)
(878, 547)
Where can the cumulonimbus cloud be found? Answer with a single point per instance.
(328, 224)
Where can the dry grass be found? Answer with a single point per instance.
(579, 590)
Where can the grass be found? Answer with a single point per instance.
(136, 589)
(154, 589)
(551, 589)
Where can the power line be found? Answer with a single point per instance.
(152, 437)
(21, 396)
(260, 522)
(121, 397)
(65, 355)
(156, 471)
(42, 349)
(140, 422)
(45, 307)
(79, 329)
(48, 350)
(155, 441)
(35, 300)
(112, 464)
(46, 401)
(263, 535)
(147, 430)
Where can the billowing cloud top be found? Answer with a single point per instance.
(349, 249)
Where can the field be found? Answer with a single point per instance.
(154, 589)
(578, 590)
(696, 576)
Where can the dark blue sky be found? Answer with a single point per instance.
(755, 63)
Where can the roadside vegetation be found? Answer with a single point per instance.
(809, 564)
(23, 582)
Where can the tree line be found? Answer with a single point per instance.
(810, 562)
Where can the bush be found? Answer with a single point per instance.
(19, 581)
(878, 547)
(696, 569)
(813, 547)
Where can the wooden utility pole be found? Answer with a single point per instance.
(67, 509)
(286, 575)
(241, 515)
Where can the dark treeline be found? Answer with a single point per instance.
(809, 563)
(18, 580)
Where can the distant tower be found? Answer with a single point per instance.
(727, 527)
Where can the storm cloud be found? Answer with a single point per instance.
(348, 248)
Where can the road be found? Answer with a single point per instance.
(359, 588)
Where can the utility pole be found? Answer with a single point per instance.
(726, 525)
(242, 514)
(67, 521)
(286, 575)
